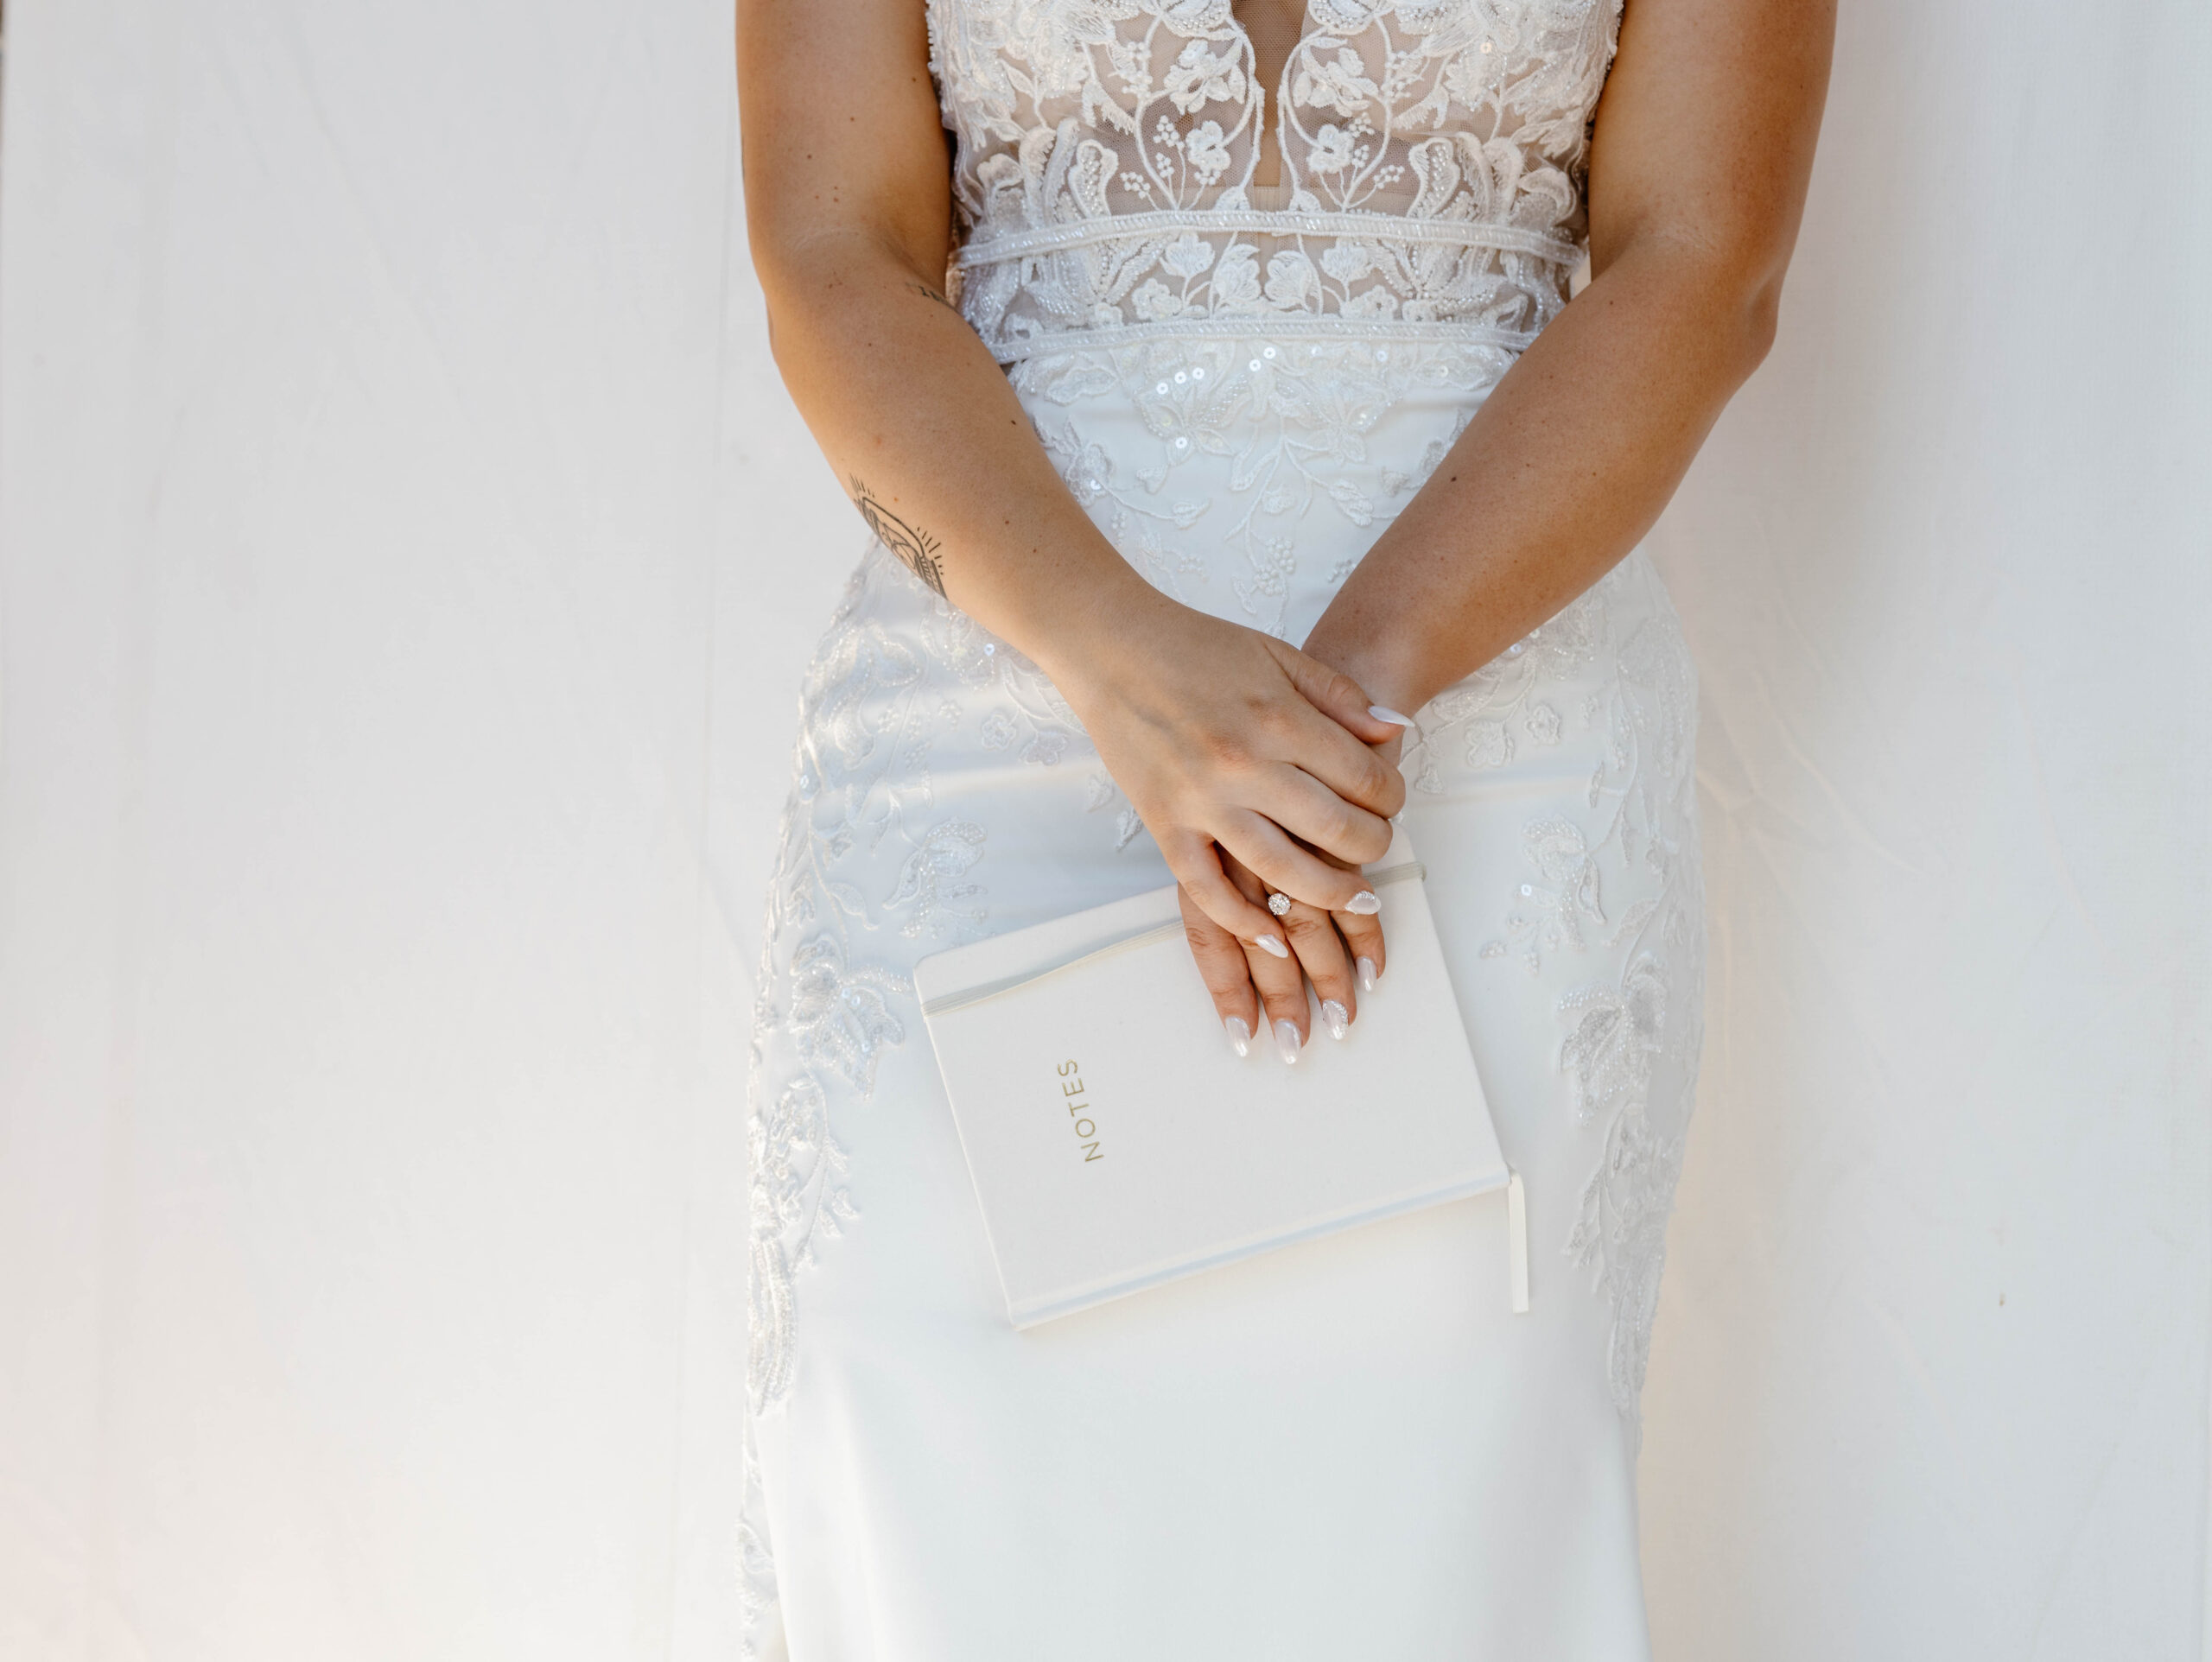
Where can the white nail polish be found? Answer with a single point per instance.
(1272, 945)
(1364, 905)
(1240, 1036)
(1384, 712)
(1366, 969)
(1335, 1019)
(1286, 1040)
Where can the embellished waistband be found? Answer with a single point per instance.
(1259, 325)
(991, 248)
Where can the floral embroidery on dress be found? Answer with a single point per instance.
(1553, 910)
(1619, 1034)
(865, 851)
(797, 1195)
(929, 889)
(1632, 1051)
(1101, 794)
(1630, 1041)
(1487, 715)
(1620, 1234)
(839, 1016)
(757, 1591)
(1292, 417)
(868, 863)
(1431, 155)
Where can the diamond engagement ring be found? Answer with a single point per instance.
(1278, 903)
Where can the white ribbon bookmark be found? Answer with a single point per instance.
(1517, 1224)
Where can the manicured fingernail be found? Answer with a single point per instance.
(1286, 1040)
(1240, 1036)
(1335, 1019)
(1384, 712)
(1271, 944)
(1364, 905)
(1366, 969)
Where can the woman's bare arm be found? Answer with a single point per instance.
(1217, 734)
(1699, 167)
(1703, 148)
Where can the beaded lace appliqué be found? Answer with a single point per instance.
(1108, 149)
(1627, 882)
(865, 854)
(868, 865)
(1293, 419)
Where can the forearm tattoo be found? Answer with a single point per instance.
(915, 547)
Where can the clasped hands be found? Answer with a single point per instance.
(1259, 771)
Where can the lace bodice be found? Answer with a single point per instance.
(1431, 157)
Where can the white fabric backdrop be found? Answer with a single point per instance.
(407, 558)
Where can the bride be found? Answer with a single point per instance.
(1240, 477)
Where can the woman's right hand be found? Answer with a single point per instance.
(1220, 735)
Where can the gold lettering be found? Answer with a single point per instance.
(1071, 1088)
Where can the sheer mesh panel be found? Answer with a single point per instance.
(1432, 160)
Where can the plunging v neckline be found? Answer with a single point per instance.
(1268, 93)
(1303, 34)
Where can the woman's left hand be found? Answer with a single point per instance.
(1341, 953)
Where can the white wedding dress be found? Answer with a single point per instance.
(1348, 1448)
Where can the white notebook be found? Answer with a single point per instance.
(1117, 1141)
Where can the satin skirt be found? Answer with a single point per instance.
(1350, 1447)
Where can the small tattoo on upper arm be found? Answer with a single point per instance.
(916, 549)
(928, 292)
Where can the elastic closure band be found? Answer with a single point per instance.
(1516, 1229)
